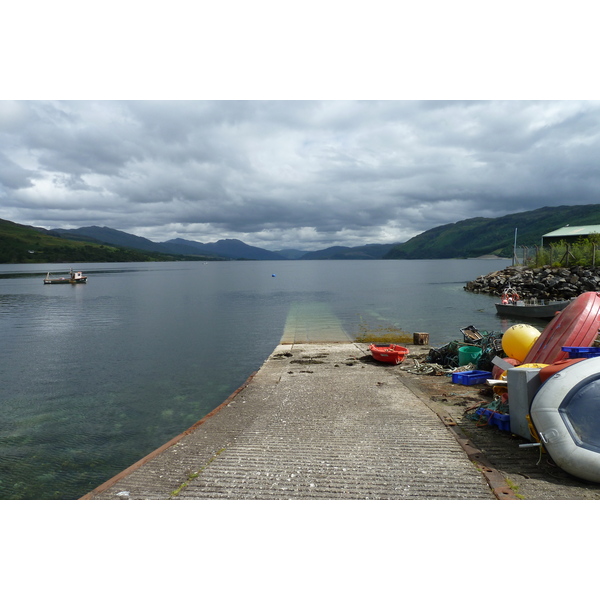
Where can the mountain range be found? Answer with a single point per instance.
(468, 238)
(229, 249)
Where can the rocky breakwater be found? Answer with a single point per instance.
(543, 283)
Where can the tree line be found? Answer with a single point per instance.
(584, 252)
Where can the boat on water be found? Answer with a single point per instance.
(74, 277)
(512, 306)
(388, 353)
(532, 310)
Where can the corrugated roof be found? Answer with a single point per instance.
(575, 230)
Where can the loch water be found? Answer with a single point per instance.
(95, 376)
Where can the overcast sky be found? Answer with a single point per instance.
(291, 174)
(205, 122)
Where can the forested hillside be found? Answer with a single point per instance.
(24, 244)
(480, 236)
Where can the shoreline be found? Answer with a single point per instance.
(317, 421)
(261, 422)
(543, 283)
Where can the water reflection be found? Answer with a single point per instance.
(96, 376)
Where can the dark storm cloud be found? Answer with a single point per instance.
(286, 173)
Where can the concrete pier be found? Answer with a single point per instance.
(317, 421)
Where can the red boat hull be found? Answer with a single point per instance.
(576, 325)
(388, 353)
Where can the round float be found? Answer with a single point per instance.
(518, 340)
(566, 414)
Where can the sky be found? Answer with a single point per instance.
(281, 147)
(292, 125)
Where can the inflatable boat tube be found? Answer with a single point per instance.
(553, 369)
(566, 414)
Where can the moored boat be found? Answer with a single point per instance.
(532, 310)
(74, 277)
(388, 353)
(511, 305)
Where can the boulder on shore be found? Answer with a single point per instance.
(543, 283)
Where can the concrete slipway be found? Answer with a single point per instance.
(319, 420)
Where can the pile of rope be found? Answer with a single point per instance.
(426, 369)
(447, 355)
(496, 405)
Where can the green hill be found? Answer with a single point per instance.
(24, 244)
(480, 236)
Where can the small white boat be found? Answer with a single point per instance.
(74, 277)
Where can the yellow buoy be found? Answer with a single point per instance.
(518, 340)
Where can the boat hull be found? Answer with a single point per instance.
(388, 353)
(577, 325)
(56, 281)
(531, 311)
(74, 277)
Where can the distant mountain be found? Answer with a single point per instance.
(233, 249)
(113, 237)
(291, 254)
(368, 252)
(230, 249)
(480, 236)
(21, 244)
(223, 249)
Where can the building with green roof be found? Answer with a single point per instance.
(570, 234)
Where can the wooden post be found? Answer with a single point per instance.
(421, 339)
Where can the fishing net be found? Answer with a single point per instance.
(489, 342)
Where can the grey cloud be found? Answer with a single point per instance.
(305, 171)
(12, 176)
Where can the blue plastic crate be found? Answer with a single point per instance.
(499, 420)
(581, 351)
(471, 377)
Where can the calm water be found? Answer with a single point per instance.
(93, 377)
